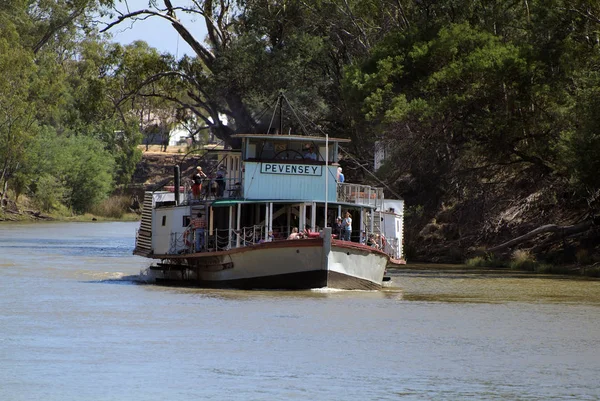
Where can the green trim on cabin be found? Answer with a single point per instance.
(233, 202)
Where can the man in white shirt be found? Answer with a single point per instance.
(310, 153)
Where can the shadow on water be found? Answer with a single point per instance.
(463, 284)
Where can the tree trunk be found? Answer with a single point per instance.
(553, 228)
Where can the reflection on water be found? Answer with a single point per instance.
(460, 284)
(78, 322)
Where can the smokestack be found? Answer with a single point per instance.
(176, 179)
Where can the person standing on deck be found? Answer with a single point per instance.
(197, 185)
(199, 225)
(340, 175)
(347, 227)
(221, 173)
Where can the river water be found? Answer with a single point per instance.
(77, 324)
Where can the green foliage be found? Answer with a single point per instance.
(75, 170)
(17, 124)
(58, 117)
(488, 260)
(50, 193)
(580, 146)
(464, 94)
(113, 207)
(89, 173)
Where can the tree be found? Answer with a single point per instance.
(253, 50)
(17, 123)
(76, 171)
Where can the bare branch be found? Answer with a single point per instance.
(204, 54)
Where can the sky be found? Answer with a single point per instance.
(156, 31)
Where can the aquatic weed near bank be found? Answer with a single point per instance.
(488, 260)
(524, 260)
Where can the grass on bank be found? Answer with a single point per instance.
(524, 260)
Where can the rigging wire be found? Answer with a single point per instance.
(361, 165)
(346, 153)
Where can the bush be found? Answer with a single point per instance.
(477, 261)
(552, 269)
(583, 257)
(114, 207)
(50, 193)
(489, 260)
(523, 260)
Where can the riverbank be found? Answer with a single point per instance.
(30, 216)
(115, 208)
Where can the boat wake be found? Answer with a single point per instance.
(123, 279)
(329, 290)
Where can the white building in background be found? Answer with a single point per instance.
(179, 135)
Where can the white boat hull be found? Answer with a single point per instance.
(289, 264)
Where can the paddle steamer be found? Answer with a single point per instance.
(235, 235)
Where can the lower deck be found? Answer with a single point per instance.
(222, 225)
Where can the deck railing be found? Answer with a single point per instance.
(360, 194)
(225, 239)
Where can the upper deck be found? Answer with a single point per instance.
(283, 167)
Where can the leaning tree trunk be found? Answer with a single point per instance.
(549, 228)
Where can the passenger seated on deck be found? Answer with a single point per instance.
(372, 241)
(295, 234)
(309, 233)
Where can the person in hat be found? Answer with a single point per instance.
(221, 173)
(197, 182)
(337, 227)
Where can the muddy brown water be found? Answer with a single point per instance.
(77, 323)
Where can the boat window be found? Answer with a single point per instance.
(251, 151)
(186, 221)
(284, 150)
(164, 220)
(268, 150)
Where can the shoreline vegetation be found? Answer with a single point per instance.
(126, 207)
(482, 118)
(114, 208)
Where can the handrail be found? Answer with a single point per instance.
(360, 194)
(220, 240)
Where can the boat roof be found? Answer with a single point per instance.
(296, 138)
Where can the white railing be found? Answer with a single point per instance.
(360, 194)
(224, 239)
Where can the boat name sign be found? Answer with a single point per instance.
(292, 169)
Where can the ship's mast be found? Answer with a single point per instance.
(326, 175)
